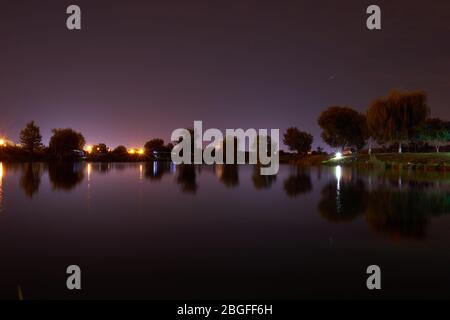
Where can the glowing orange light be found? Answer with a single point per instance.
(131, 151)
(141, 151)
(88, 149)
(2, 142)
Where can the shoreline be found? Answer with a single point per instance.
(403, 161)
(408, 161)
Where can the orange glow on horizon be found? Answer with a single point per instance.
(139, 151)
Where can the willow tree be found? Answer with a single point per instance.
(64, 141)
(396, 118)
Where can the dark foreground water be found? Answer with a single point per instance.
(154, 230)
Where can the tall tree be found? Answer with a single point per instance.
(64, 141)
(435, 131)
(395, 119)
(298, 140)
(30, 137)
(343, 127)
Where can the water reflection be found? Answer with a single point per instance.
(343, 200)
(298, 183)
(65, 175)
(338, 174)
(394, 204)
(187, 178)
(132, 221)
(101, 167)
(1, 186)
(404, 214)
(156, 170)
(228, 174)
(262, 181)
(397, 206)
(31, 178)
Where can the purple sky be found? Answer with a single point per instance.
(139, 69)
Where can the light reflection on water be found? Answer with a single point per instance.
(1, 187)
(226, 231)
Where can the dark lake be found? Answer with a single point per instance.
(154, 230)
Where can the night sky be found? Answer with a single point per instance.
(140, 69)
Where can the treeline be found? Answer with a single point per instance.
(400, 119)
(69, 144)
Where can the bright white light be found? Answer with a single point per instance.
(338, 174)
(338, 156)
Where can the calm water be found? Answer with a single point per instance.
(154, 230)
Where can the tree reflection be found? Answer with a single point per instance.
(262, 181)
(187, 178)
(155, 170)
(228, 174)
(343, 201)
(396, 207)
(404, 214)
(31, 179)
(65, 175)
(102, 168)
(298, 183)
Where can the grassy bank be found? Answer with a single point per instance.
(304, 160)
(423, 161)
